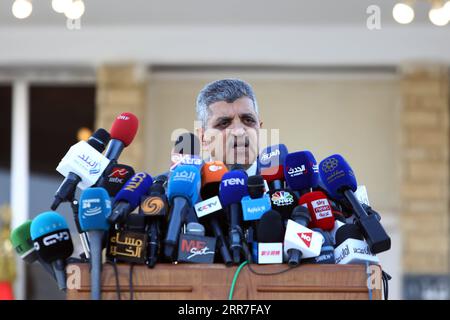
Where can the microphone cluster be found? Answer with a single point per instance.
(294, 211)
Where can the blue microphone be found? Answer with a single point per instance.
(95, 207)
(51, 239)
(301, 171)
(340, 182)
(129, 197)
(271, 163)
(183, 191)
(233, 188)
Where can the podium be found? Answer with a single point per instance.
(213, 282)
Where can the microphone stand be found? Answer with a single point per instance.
(83, 236)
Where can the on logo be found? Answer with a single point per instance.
(306, 237)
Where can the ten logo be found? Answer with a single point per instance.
(233, 182)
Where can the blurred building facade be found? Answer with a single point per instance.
(329, 84)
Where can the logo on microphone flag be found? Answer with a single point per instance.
(306, 237)
(298, 237)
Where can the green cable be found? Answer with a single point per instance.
(236, 274)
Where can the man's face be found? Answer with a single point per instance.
(232, 131)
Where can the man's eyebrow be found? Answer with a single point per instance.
(251, 115)
(223, 118)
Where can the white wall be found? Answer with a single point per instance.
(212, 44)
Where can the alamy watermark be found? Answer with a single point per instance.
(73, 24)
(373, 21)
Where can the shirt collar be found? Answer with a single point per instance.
(251, 171)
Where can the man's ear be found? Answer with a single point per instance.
(200, 133)
(260, 124)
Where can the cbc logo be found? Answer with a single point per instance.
(329, 165)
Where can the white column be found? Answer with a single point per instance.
(20, 170)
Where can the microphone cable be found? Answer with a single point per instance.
(233, 283)
(131, 281)
(386, 277)
(116, 276)
(248, 263)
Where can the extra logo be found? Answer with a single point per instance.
(306, 237)
(329, 165)
(152, 206)
(282, 198)
(179, 158)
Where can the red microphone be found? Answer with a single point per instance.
(320, 210)
(123, 131)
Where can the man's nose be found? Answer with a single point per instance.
(237, 129)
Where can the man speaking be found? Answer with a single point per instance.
(228, 112)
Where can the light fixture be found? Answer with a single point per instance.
(60, 5)
(446, 9)
(403, 13)
(438, 15)
(22, 9)
(75, 10)
(83, 134)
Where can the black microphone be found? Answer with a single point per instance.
(129, 242)
(114, 178)
(155, 208)
(194, 247)
(270, 235)
(66, 190)
(301, 216)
